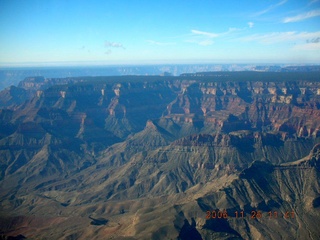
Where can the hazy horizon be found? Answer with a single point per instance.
(141, 64)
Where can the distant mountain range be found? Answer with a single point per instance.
(207, 155)
(13, 75)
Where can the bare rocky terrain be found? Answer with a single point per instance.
(223, 155)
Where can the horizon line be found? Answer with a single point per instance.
(149, 63)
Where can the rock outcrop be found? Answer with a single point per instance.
(146, 157)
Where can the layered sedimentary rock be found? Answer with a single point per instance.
(146, 158)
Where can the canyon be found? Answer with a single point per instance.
(160, 157)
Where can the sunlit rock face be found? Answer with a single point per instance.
(143, 157)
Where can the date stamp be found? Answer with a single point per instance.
(254, 214)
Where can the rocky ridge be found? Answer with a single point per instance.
(146, 154)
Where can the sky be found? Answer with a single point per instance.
(71, 32)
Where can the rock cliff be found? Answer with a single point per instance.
(151, 155)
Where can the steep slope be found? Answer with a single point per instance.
(268, 201)
(13, 96)
(147, 160)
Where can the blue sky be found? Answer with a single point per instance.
(149, 32)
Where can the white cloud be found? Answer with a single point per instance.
(108, 52)
(314, 40)
(205, 38)
(303, 16)
(206, 34)
(276, 37)
(202, 38)
(308, 47)
(113, 44)
(268, 9)
(250, 24)
(214, 35)
(160, 43)
(231, 30)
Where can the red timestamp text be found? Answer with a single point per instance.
(254, 214)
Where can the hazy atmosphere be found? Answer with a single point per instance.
(130, 32)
